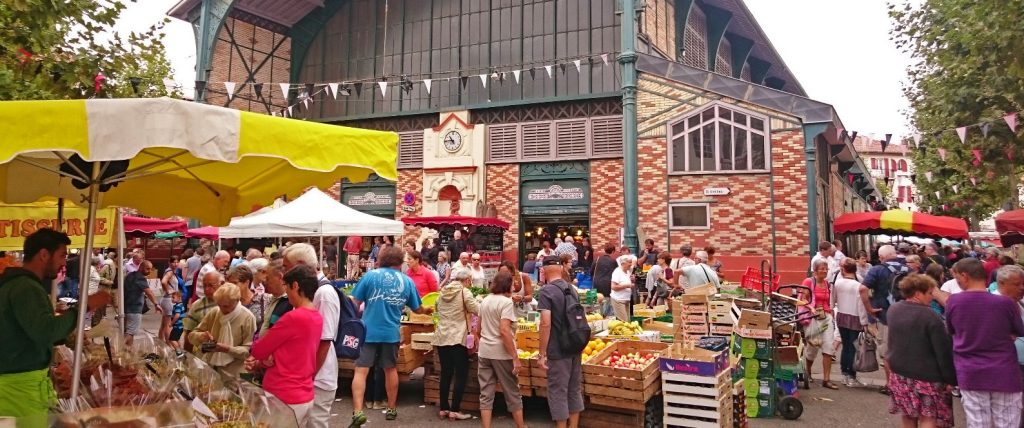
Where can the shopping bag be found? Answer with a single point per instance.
(865, 361)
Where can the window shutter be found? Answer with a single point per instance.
(606, 136)
(410, 149)
(537, 140)
(571, 138)
(502, 143)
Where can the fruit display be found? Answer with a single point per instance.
(526, 355)
(594, 317)
(632, 360)
(523, 325)
(593, 348)
(619, 328)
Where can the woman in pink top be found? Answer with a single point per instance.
(423, 277)
(288, 350)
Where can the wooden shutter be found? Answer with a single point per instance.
(537, 140)
(502, 144)
(606, 136)
(571, 138)
(410, 149)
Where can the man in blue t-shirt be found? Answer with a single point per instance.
(879, 281)
(386, 292)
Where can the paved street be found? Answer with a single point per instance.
(822, 407)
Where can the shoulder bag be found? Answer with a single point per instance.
(470, 340)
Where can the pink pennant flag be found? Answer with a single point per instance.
(945, 207)
(974, 181)
(1011, 121)
(604, 58)
(977, 155)
(942, 154)
(962, 132)
(917, 140)
(928, 175)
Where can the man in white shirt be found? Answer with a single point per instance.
(133, 262)
(217, 264)
(326, 301)
(837, 252)
(700, 273)
(826, 252)
(678, 264)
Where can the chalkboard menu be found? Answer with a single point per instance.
(487, 238)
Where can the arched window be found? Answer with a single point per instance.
(695, 42)
(903, 165)
(720, 138)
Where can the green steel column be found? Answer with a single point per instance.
(211, 17)
(627, 57)
(811, 132)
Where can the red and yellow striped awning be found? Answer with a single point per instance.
(901, 222)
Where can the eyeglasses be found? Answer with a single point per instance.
(476, 259)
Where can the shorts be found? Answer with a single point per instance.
(166, 305)
(132, 322)
(565, 387)
(819, 336)
(383, 355)
(176, 333)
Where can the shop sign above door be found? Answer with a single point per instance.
(561, 192)
(555, 192)
(370, 199)
(716, 191)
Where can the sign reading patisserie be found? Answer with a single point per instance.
(555, 192)
(371, 198)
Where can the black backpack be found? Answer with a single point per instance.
(894, 284)
(351, 330)
(576, 334)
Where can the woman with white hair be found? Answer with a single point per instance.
(622, 286)
(700, 273)
(819, 333)
(225, 335)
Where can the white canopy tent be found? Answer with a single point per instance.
(312, 214)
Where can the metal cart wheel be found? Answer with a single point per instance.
(790, 408)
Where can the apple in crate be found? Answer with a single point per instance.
(633, 360)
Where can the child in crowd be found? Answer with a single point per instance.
(177, 327)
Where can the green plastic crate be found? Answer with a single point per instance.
(664, 318)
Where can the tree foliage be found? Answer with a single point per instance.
(53, 49)
(969, 69)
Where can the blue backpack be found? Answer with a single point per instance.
(351, 330)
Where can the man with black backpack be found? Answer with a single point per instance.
(881, 280)
(564, 333)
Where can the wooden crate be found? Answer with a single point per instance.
(528, 340)
(601, 417)
(432, 393)
(697, 401)
(622, 388)
(410, 359)
(408, 329)
(422, 341)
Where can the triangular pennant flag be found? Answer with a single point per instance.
(289, 111)
(515, 75)
(839, 133)
(563, 67)
(383, 88)
(483, 80)
(577, 63)
(229, 87)
(604, 58)
(942, 154)
(885, 143)
(849, 177)
(888, 138)
(464, 80)
(358, 87)
(333, 89)
(921, 149)
(1011, 121)
(938, 195)
(956, 189)
(917, 140)
(200, 87)
(548, 68)
(257, 88)
(944, 206)
(284, 89)
(974, 181)
(533, 73)
(977, 155)
(928, 175)
(426, 85)
(962, 132)
(310, 87)
(985, 127)
(305, 102)
(853, 135)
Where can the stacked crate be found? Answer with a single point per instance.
(739, 405)
(757, 366)
(690, 316)
(622, 388)
(722, 318)
(696, 388)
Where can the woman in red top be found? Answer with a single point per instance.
(424, 278)
(819, 333)
(288, 350)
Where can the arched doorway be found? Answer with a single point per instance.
(453, 196)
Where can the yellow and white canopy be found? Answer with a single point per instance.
(185, 158)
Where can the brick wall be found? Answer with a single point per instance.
(659, 24)
(606, 201)
(409, 180)
(229, 64)
(503, 192)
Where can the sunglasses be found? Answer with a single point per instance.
(476, 259)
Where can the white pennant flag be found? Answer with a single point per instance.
(305, 103)
(604, 57)
(229, 87)
(917, 140)
(333, 89)
(426, 85)
(483, 79)
(577, 64)
(284, 89)
(515, 75)
(962, 133)
(938, 195)
(289, 111)
(956, 189)
(928, 175)
(548, 68)
(383, 88)
(974, 181)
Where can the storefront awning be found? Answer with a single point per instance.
(435, 222)
(146, 226)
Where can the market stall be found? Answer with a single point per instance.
(1010, 225)
(115, 152)
(901, 222)
(484, 235)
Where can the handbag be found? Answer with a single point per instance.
(470, 340)
(865, 361)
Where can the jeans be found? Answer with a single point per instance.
(69, 288)
(454, 363)
(849, 338)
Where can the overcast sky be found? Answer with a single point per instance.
(839, 50)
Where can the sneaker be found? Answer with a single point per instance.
(358, 419)
(855, 383)
(846, 381)
(376, 405)
(391, 414)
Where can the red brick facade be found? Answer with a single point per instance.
(251, 47)
(606, 207)
(409, 181)
(503, 192)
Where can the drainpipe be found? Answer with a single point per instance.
(811, 132)
(627, 58)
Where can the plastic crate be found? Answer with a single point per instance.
(751, 280)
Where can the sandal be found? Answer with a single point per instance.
(443, 414)
(456, 416)
(828, 384)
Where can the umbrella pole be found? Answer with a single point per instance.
(54, 286)
(83, 287)
(322, 254)
(120, 274)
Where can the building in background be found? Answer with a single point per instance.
(892, 166)
(517, 104)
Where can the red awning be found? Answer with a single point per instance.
(1010, 226)
(435, 222)
(208, 232)
(901, 222)
(147, 226)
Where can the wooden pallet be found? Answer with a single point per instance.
(601, 417)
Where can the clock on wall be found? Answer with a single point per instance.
(452, 141)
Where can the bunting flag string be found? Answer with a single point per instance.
(942, 154)
(229, 87)
(1011, 121)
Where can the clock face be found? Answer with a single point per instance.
(452, 141)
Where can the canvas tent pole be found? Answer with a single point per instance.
(119, 269)
(83, 286)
